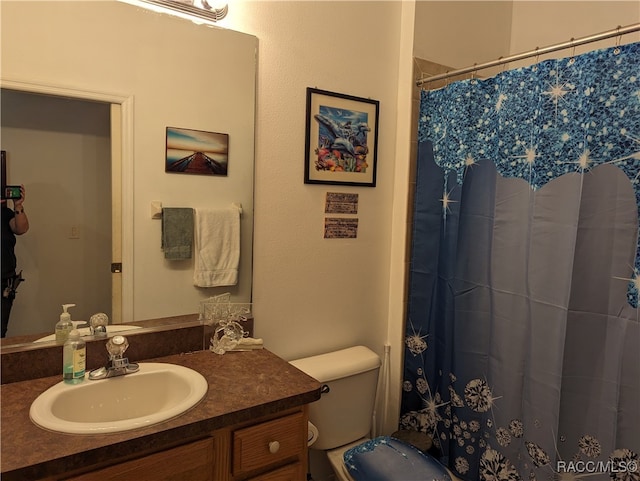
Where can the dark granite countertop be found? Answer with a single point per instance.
(242, 386)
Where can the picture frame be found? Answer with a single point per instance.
(341, 141)
(190, 151)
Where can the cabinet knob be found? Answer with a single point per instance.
(274, 447)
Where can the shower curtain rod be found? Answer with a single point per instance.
(533, 53)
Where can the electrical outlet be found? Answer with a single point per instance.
(75, 232)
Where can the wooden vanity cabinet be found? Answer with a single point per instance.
(272, 448)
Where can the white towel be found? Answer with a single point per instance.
(217, 246)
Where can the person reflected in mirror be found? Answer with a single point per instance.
(14, 222)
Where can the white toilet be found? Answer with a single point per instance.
(342, 418)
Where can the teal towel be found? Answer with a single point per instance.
(177, 232)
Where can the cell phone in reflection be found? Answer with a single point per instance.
(12, 192)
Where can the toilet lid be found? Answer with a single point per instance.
(389, 459)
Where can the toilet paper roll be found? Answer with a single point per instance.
(312, 434)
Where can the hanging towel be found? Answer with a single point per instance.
(177, 232)
(217, 247)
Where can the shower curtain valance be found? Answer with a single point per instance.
(574, 114)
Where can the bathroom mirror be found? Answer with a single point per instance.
(146, 71)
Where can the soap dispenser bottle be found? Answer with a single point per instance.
(74, 358)
(64, 325)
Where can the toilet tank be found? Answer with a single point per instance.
(344, 412)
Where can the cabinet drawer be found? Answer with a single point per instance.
(291, 472)
(266, 443)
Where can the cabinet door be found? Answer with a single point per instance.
(192, 462)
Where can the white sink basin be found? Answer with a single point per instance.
(155, 393)
(84, 331)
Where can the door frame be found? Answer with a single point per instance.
(122, 297)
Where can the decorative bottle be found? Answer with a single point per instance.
(74, 357)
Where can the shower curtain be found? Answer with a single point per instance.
(522, 347)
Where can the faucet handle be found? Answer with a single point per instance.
(98, 324)
(118, 364)
(116, 346)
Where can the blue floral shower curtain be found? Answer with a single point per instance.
(522, 347)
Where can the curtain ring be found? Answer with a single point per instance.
(535, 67)
(504, 64)
(616, 50)
(573, 53)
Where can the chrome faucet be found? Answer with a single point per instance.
(118, 364)
(98, 324)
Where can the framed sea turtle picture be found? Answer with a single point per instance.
(341, 139)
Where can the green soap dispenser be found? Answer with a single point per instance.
(74, 358)
(64, 325)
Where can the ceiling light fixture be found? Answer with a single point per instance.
(197, 8)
